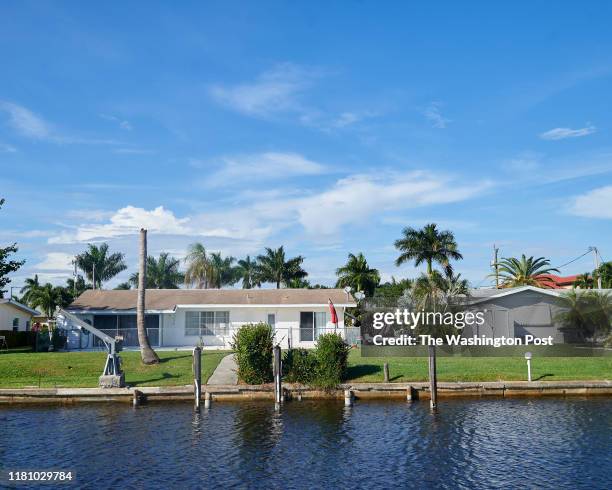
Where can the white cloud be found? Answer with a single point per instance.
(346, 119)
(25, 121)
(435, 117)
(356, 199)
(525, 162)
(33, 126)
(262, 166)
(272, 92)
(56, 261)
(127, 221)
(596, 203)
(563, 133)
(122, 123)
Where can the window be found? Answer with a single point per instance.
(15, 324)
(203, 323)
(312, 324)
(272, 319)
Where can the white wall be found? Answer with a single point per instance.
(287, 325)
(8, 313)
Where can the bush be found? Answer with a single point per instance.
(299, 366)
(331, 354)
(253, 344)
(18, 339)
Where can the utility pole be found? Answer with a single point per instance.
(596, 257)
(495, 265)
(74, 277)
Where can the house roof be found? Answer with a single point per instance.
(16, 304)
(553, 281)
(482, 295)
(170, 299)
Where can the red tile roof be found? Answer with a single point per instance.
(553, 281)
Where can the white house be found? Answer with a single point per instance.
(186, 317)
(15, 316)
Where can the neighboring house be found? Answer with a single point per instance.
(517, 312)
(185, 317)
(15, 316)
(552, 281)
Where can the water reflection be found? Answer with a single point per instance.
(468, 443)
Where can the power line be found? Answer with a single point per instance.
(574, 260)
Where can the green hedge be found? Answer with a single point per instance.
(331, 354)
(299, 366)
(324, 367)
(253, 344)
(19, 339)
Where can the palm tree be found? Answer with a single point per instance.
(123, 286)
(454, 286)
(30, 285)
(162, 273)
(248, 272)
(358, 275)
(48, 297)
(147, 354)
(586, 314)
(78, 287)
(605, 272)
(222, 270)
(427, 245)
(298, 283)
(98, 265)
(198, 266)
(276, 269)
(584, 281)
(525, 272)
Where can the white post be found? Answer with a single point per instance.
(529, 370)
(348, 398)
(528, 358)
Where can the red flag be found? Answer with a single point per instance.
(332, 310)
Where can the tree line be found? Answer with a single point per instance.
(436, 249)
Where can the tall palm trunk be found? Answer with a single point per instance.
(149, 356)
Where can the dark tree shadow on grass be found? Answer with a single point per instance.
(354, 372)
(164, 376)
(162, 360)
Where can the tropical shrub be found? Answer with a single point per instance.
(331, 354)
(585, 315)
(253, 344)
(299, 366)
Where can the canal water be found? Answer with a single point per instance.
(469, 443)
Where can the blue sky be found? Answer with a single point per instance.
(323, 127)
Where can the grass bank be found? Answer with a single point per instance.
(82, 369)
(403, 369)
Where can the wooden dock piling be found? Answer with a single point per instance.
(197, 375)
(433, 381)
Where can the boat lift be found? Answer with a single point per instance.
(112, 376)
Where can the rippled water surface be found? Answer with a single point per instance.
(550, 443)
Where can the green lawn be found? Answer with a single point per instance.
(82, 369)
(402, 369)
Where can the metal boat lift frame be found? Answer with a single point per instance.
(113, 345)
